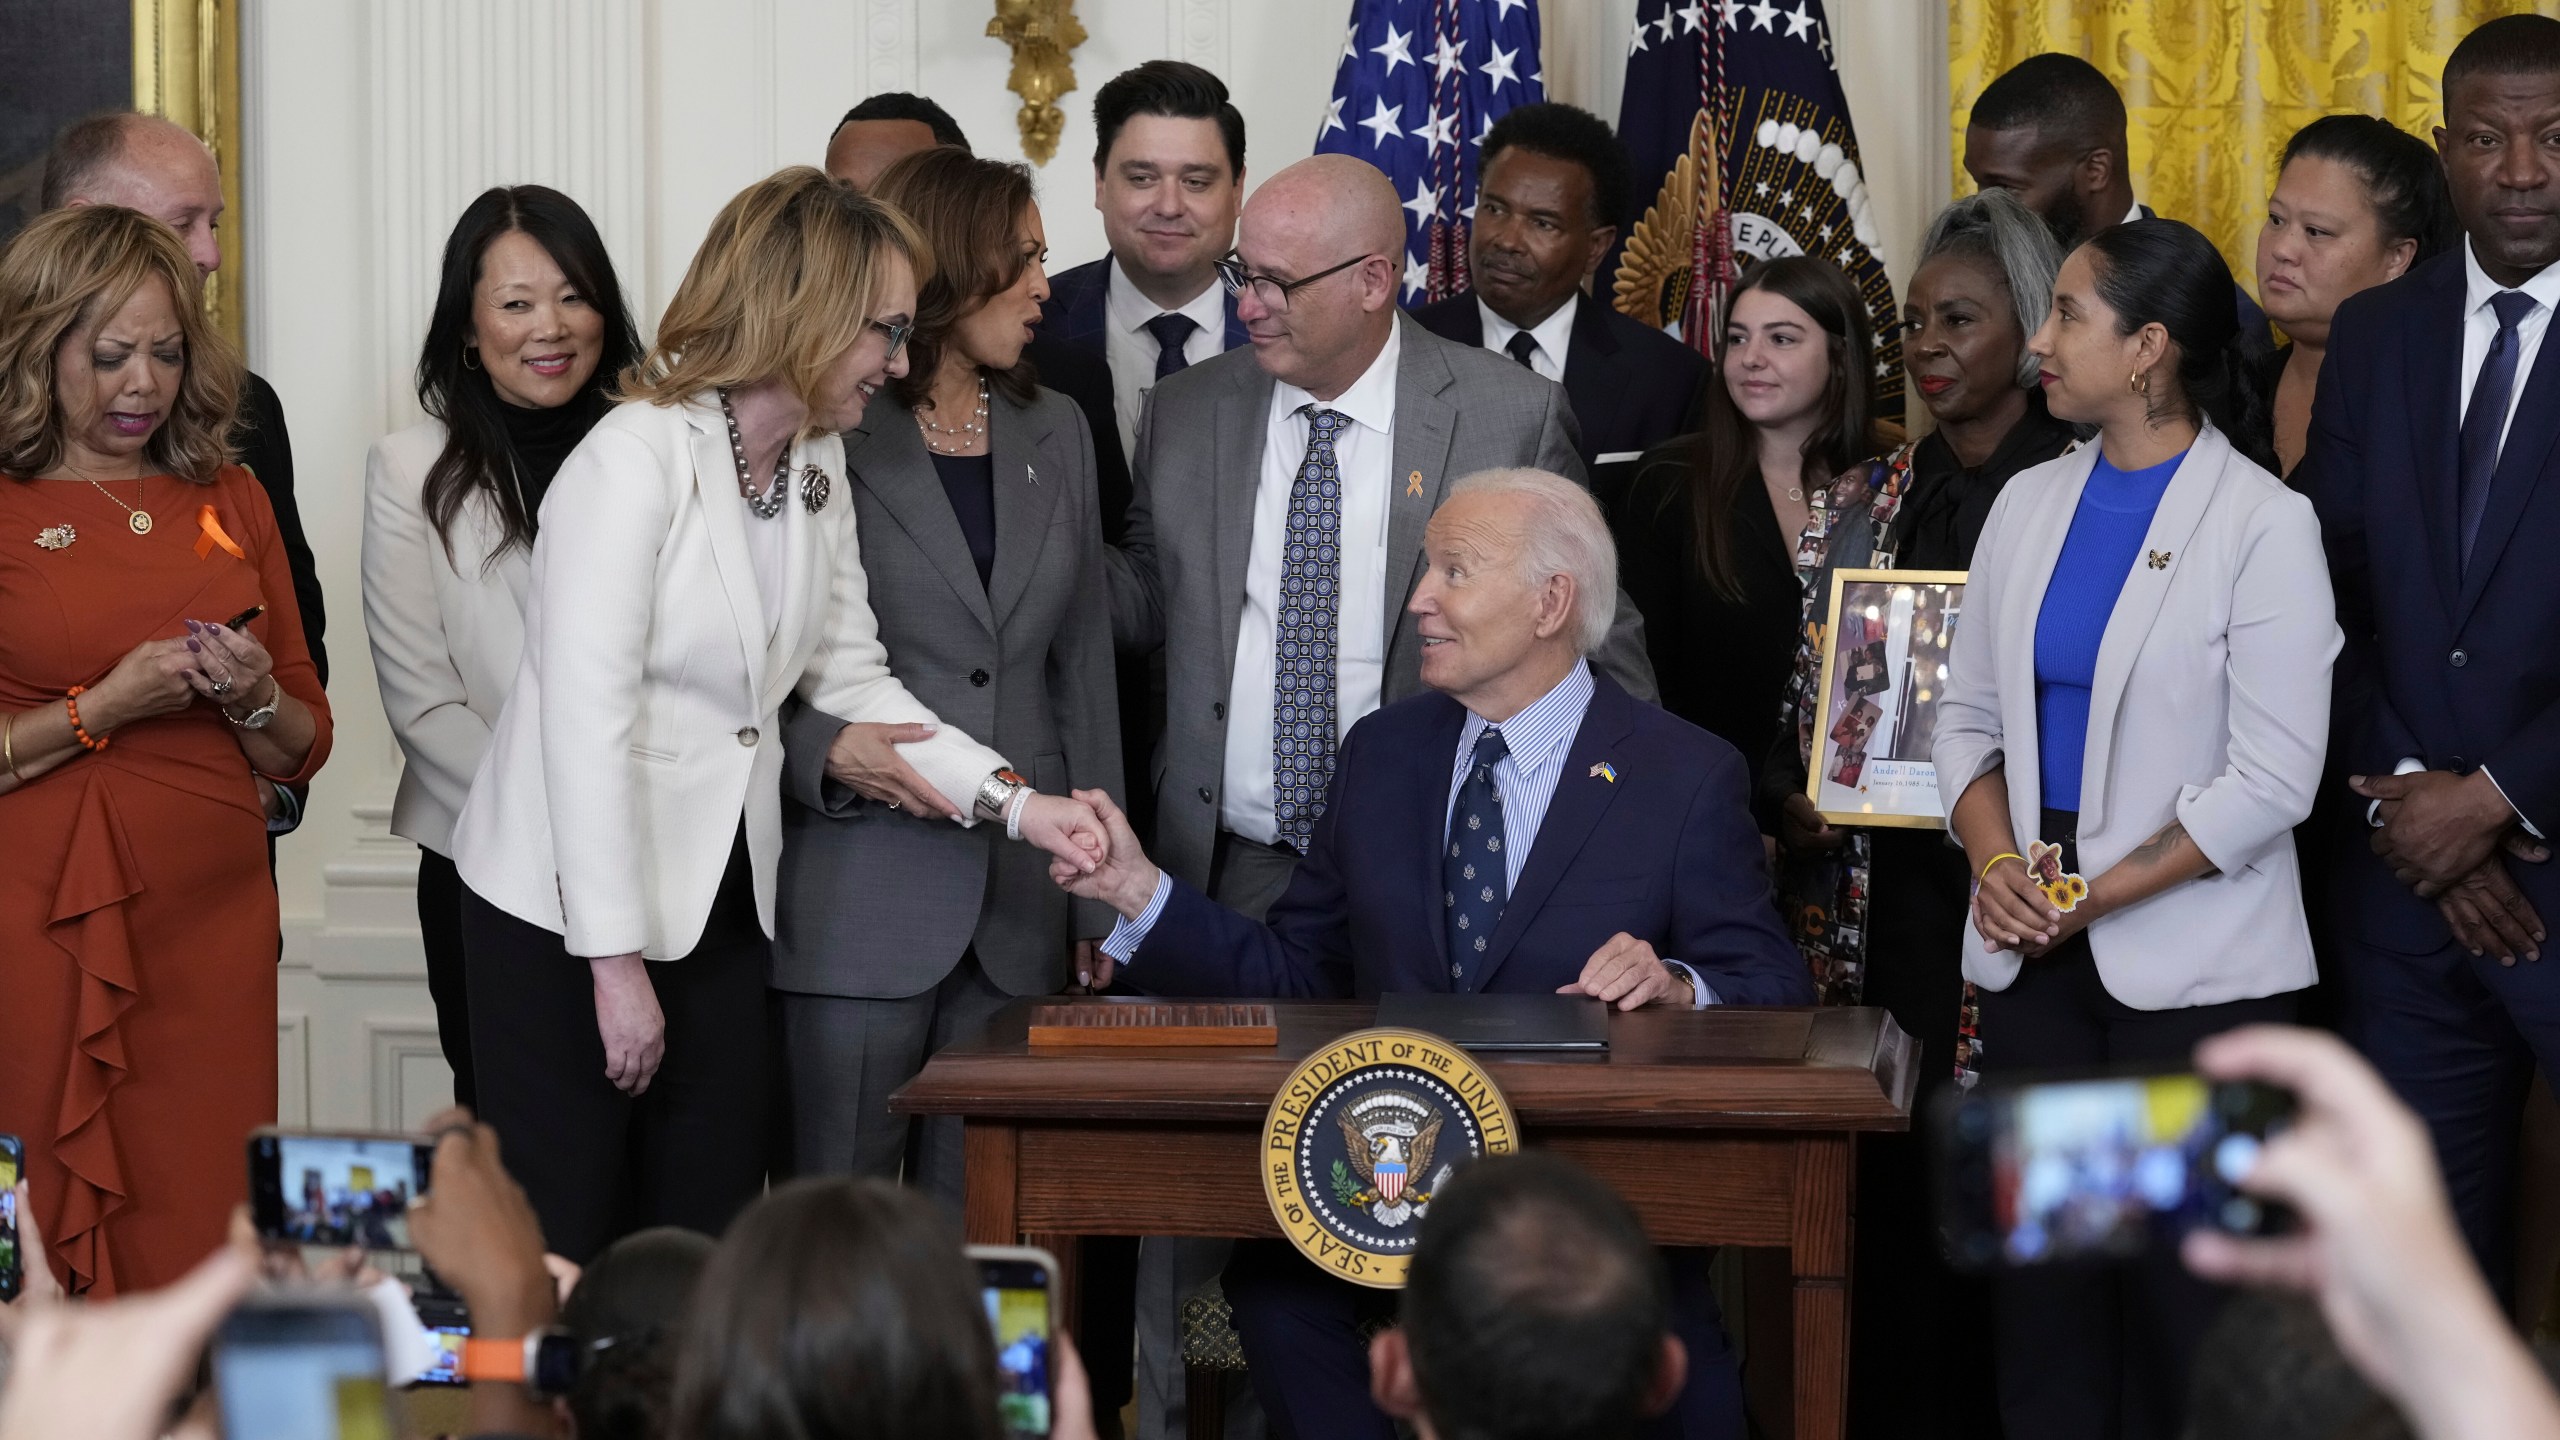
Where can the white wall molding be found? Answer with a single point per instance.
(1195, 30)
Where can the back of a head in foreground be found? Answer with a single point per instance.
(1535, 1308)
(629, 1311)
(837, 1309)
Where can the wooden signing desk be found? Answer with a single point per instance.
(1720, 1126)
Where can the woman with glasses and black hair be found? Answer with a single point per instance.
(619, 845)
(528, 332)
(981, 534)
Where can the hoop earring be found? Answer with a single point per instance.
(470, 357)
(2139, 383)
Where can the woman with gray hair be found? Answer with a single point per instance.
(1983, 284)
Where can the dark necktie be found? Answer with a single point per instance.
(2486, 417)
(1475, 878)
(1172, 332)
(1305, 634)
(1522, 345)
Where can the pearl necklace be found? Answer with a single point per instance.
(968, 430)
(770, 503)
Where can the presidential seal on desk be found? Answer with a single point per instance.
(1364, 1134)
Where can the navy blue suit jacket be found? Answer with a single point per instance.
(2457, 665)
(1631, 386)
(1077, 311)
(1666, 852)
(1073, 358)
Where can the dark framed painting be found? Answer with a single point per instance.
(64, 60)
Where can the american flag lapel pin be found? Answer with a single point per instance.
(1605, 771)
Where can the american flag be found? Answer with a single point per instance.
(1418, 85)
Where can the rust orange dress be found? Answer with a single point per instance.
(138, 923)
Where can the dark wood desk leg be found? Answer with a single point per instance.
(990, 1154)
(1821, 1263)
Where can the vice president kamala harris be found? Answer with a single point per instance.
(695, 564)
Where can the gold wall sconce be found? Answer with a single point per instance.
(1044, 35)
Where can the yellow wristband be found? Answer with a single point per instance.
(1996, 859)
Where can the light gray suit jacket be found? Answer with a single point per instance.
(2210, 708)
(1178, 578)
(880, 904)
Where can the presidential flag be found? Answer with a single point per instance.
(1734, 113)
(1418, 85)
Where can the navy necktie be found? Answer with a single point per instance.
(1304, 639)
(1172, 332)
(1521, 346)
(2485, 420)
(1475, 876)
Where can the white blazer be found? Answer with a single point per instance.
(641, 728)
(446, 630)
(2210, 708)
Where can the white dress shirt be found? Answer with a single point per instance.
(1553, 334)
(2480, 327)
(1131, 347)
(1365, 451)
(1536, 741)
(2479, 331)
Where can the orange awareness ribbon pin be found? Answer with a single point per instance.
(211, 525)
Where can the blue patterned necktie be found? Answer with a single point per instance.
(1475, 876)
(2486, 418)
(1304, 639)
(1172, 332)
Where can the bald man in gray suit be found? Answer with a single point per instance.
(1341, 426)
(1275, 536)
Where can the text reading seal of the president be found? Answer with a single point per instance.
(1364, 1134)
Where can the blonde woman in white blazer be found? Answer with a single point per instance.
(696, 563)
(527, 333)
(2142, 677)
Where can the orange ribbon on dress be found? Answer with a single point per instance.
(211, 525)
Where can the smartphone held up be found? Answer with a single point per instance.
(1020, 1286)
(341, 1188)
(2099, 1168)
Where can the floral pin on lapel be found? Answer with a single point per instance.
(56, 537)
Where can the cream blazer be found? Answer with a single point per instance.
(2210, 708)
(446, 630)
(641, 731)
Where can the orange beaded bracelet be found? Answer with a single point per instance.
(80, 732)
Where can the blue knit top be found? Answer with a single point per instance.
(2106, 538)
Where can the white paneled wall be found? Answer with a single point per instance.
(370, 123)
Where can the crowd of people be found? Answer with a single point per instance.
(903, 630)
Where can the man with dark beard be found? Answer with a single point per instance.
(2051, 131)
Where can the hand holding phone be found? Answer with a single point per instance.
(348, 1187)
(111, 1370)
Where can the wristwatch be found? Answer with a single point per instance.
(996, 792)
(257, 719)
(544, 1362)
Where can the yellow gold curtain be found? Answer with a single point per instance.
(2213, 88)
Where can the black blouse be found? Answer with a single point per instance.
(1722, 664)
(542, 439)
(1946, 504)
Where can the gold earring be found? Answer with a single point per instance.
(2139, 383)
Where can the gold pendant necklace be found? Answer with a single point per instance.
(138, 520)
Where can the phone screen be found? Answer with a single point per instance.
(1017, 1298)
(2102, 1169)
(12, 1267)
(286, 1372)
(336, 1189)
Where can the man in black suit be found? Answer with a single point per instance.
(146, 163)
(1553, 187)
(2432, 460)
